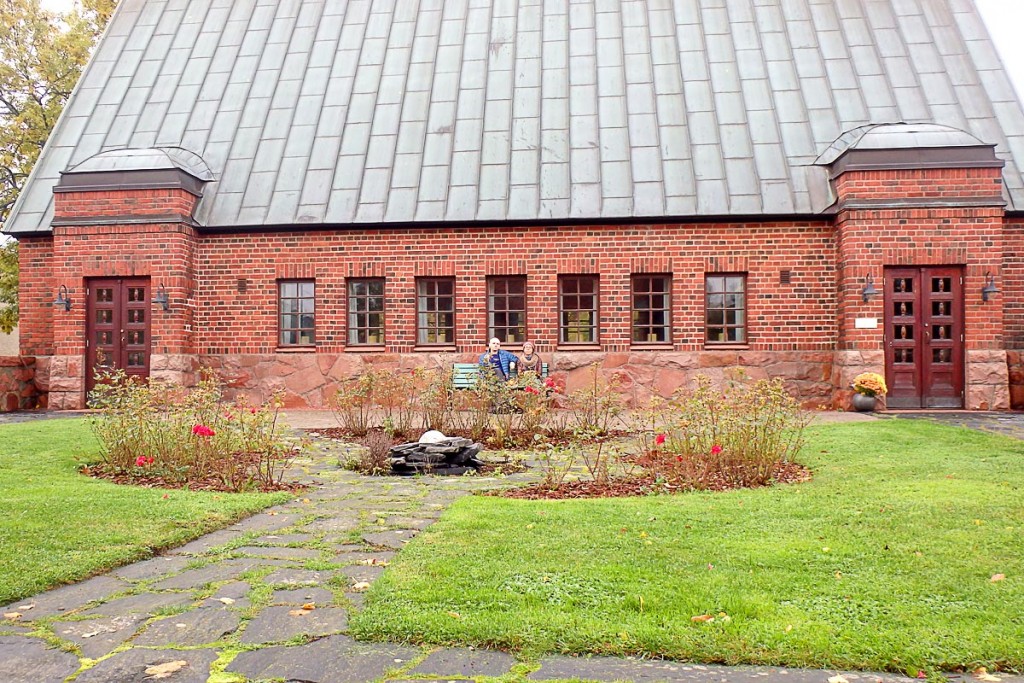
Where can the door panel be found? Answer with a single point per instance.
(924, 350)
(118, 330)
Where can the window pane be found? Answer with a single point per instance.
(297, 312)
(435, 305)
(506, 308)
(578, 304)
(365, 296)
(725, 312)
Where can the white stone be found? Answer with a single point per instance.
(433, 436)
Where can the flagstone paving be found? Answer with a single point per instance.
(270, 598)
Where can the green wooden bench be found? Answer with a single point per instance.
(465, 375)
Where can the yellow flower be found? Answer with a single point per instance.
(869, 384)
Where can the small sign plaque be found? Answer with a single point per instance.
(866, 323)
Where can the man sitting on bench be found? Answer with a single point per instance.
(502, 362)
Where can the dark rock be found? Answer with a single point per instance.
(274, 624)
(143, 603)
(296, 577)
(197, 627)
(300, 596)
(68, 598)
(130, 666)
(453, 455)
(27, 660)
(466, 662)
(337, 659)
(99, 637)
(153, 568)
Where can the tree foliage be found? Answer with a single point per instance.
(8, 286)
(41, 57)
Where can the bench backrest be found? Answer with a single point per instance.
(464, 375)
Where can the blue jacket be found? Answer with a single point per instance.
(504, 358)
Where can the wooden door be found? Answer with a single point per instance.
(118, 331)
(924, 337)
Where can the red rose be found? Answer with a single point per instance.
(659, 439)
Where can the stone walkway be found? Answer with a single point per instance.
(270, 597)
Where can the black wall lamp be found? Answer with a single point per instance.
(62, 298)
(869, 288)
(161, 298)
(990, 286)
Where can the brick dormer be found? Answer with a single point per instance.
(918, 195)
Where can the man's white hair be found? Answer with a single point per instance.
(494, 339)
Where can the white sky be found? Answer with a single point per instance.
(1004, 19)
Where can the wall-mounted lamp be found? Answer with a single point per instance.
(161, 298)
(869, 288)
(990, 286)
(62, 298)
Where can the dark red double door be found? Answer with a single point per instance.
(118, 329)
(924, 337)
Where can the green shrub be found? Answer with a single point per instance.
(188, 435)
(735, 435)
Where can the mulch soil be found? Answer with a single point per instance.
(642, 485)
(156, 481)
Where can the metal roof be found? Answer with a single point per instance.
(339, 112)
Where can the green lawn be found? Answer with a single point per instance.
(883, 561)
(57, 526)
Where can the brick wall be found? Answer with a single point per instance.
(224, 302)
(904, 217)
(1012, 297)
(799, 315)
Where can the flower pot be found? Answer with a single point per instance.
(863, 403)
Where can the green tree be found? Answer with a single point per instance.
(41, 56)
(8, 286)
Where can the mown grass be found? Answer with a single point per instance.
(883, 561)
(57, 526)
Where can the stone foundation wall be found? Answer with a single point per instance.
(987, 380)
(311, 379)
(848, 364)
(18, 390)
(1015, 371)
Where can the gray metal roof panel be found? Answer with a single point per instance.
(321, 111)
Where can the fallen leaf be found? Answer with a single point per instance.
(164, 670)
(839, 576)
(838, 679)
(227, 601)
(25, 608)
(13, 616)
(826, 549)
(702, 618)
(982, 674)
(997, 577)
(297, 612)
(454, 615)
(789, 628)
(921, 674)
(373, 562)
(309, 606)
(361, 586)
(90, 634)
(724, 617)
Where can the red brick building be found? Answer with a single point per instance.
(290, 193)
